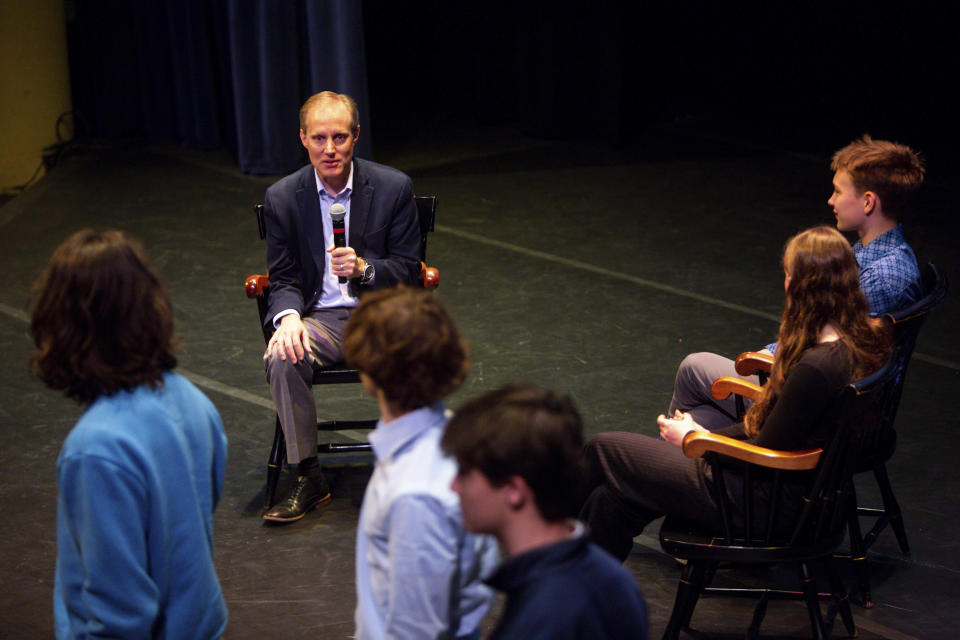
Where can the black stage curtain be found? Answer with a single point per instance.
(212, 73)
(233, 72)
(811, 76)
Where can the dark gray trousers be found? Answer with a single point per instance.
(635, 479)
(291, 385)
(691, 390)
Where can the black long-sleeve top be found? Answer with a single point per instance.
(799, 418)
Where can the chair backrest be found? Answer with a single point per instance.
(908, 321)
(767, 519)
(427, 215)
(906, 327)
(862, 415)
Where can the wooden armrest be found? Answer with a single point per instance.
(255, 284)
(696, 443)
(749, 362)
(430, 276)
(723, 387)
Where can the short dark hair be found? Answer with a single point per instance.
(406, 341)
(893, 171)
(102, 321)
(526, 431)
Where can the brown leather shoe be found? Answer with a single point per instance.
(309, 493)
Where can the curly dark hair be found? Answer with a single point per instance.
(101, 320)
(526, 431)
(405, 341)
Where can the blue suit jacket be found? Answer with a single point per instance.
(384, 231)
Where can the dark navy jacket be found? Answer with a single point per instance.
(570, 590)
(383, 231)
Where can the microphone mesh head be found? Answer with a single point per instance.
(337, 211)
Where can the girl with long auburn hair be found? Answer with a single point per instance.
(823, 304)
(827, 339)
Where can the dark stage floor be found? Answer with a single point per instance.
(568, 264)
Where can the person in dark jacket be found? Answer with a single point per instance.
(518, 450)
(315, 283)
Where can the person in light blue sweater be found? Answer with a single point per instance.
(141, 472)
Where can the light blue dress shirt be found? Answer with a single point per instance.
(334, 293)
(418, 571)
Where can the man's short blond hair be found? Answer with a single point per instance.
(328, 97)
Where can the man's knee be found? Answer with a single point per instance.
(609, 455)
(693, 365)
(697, 372)
(593, 451)
(595, 446)
(278, 368)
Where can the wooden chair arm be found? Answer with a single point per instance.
(723, 387)
(696, 443)
(255, 284)
(749, 362)
(430, 276)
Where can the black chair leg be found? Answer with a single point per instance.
(759, 612)
(688, 592)
(840, 595)
(278, 455)
(858, 554)
(892, 508)
(709, 573)
(809, 586)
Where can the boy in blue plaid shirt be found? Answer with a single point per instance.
(872, 182)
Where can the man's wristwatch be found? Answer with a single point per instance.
(367, 274)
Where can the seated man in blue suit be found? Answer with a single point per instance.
(314, 285)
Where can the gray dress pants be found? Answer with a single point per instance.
(635, 479)
(291, 385)
(691, 390)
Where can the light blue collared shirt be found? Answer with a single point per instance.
(334, 294)
(418, 572)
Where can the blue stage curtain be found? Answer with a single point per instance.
(214, 73)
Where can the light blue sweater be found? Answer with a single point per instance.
(140, 475)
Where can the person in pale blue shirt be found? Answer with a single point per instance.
(418, 571)
(142, 471)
